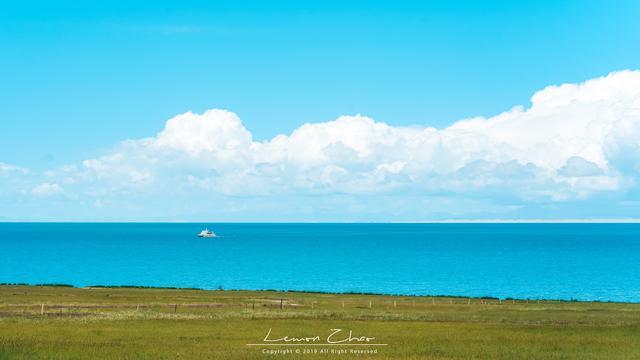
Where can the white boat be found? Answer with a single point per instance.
(206, 233)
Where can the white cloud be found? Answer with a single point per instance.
(47, 189)
(579, 167)
(570, 131)
(12, 179)
(217, 132)
(6, 169)
(574, 142)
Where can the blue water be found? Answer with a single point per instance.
(559, 261)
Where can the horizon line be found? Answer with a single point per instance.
(448, 221)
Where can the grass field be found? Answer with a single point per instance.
(124, 323)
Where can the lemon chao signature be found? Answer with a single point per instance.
(336, 336)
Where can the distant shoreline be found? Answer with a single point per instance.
(533, 221)
(140, 287)
(450, 221)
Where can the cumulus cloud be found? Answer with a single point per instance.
(572, 130)
(579, 167)
(574, 142)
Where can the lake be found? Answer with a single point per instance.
(536, 261)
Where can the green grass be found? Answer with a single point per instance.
(133, 323)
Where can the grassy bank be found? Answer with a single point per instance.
(64, 322)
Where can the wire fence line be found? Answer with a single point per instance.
(275, 304)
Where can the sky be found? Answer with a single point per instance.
(318, 110)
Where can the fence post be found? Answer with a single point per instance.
(42, 309)
(394, 304)
(281, 304)
(370, 304)
(343, 304)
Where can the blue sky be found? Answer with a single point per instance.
(77, 79)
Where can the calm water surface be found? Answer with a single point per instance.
(560, 261)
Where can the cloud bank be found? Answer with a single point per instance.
(576, 144)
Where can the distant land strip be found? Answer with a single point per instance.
(310, 292)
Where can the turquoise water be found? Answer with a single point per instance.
(559, 261)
